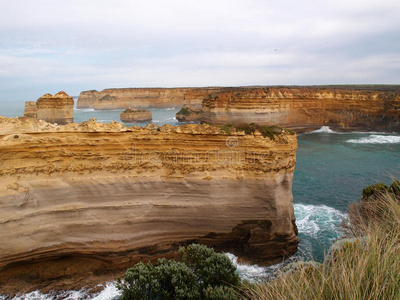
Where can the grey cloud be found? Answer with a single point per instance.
(98, 44)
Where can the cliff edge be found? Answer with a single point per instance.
(80, 203)
(306, 109)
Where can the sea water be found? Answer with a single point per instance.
(331, 171)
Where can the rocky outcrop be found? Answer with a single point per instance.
(306, 109)
(81, 202)
(193, 98)
(30, 109)
(56, 109)
(144, 98)
(187, 114)
(131, 115)
(87, 98)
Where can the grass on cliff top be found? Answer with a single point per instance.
(186, 111)
(132, 110)
(265, 130)
(367, 266)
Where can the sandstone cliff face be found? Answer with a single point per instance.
(135, 115)
(87, 98)
(193, 98)
(80, 201)
(132, 97)
(30, 109)
(56, 109)
(305, 109)
(144, 98)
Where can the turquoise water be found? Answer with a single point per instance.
(331, 171)
(160, 116)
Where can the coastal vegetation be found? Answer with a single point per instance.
(186, 111)
(199, 273)
(363, 265)
(265, 130)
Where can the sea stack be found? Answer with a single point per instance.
(131, 115)
(56, 109)
(30, 110)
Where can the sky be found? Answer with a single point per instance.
(49, 46)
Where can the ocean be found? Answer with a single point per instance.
(331, 171)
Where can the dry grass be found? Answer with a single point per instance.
(360, 268)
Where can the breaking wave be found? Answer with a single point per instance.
(324, 129)
(376, 139)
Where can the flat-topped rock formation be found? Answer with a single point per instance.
(30, 109)
(143, 98)
(81, 202)
(131, 115)
(188, 114)
(306, 109)
(54, 109)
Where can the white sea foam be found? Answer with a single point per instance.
(324, 129)
(84, 109)
(109, 292)
(312, 219)
(170, 108)
(376, 139)
(249, 272)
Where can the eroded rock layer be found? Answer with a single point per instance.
(305, 109)
(80, 201)
(143, 98)
(54, 109)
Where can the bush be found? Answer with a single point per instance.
(395, 188)
(266, 131)
(201, 273)
(184, 111)
(373, 191)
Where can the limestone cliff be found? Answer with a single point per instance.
(82, 201)
(30, 109)
(55, 109)
(193, 98)
(143, 98)
(87, 98)
(305, 109)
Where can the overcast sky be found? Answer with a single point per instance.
(48, 46)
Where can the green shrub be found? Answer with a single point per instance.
(265, 130)
(395, 188)
(373, 191)
(184, 111)
(227, 128)
(201, 273)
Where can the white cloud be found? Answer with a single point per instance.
(98, 44)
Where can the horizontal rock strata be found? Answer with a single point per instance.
(54, 109)
(305, 109)
(30, 109)
(143, 98)
(80, 201)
